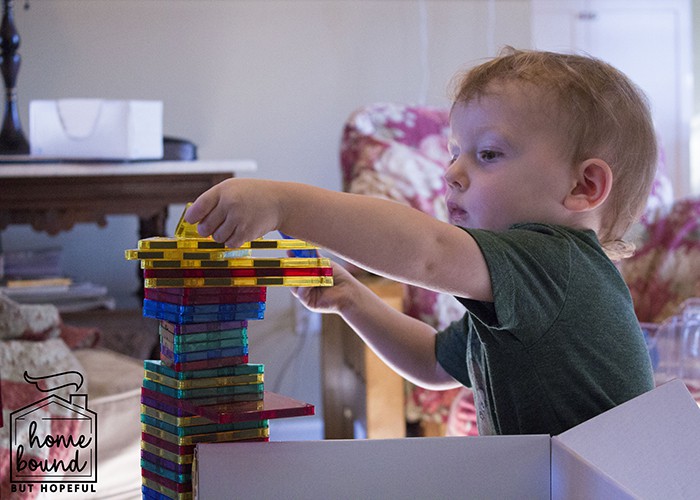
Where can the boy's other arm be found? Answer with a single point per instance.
(382, 236)
(407, 345)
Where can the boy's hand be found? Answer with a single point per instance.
(235, 211)
(328, 299)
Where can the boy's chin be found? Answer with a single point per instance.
(459, 221)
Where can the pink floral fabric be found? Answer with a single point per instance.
(399, 152)
(39, 322)
(28, 322)
(665, 270)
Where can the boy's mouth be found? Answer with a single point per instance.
(457, 215)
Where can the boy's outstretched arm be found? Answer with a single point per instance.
(406, 344)
(382, 236)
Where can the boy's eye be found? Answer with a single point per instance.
(488, 155)
(453, 158)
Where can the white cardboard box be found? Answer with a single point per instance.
(646, 448)
(96, 129)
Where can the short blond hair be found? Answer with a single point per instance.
(603, 113)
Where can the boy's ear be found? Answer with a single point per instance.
(591, 185)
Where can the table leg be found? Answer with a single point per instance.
(153, 225)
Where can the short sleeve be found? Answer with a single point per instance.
(451, 350)
(530, 268)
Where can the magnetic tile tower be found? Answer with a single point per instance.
(202, 389)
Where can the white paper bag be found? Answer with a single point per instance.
(96, 129)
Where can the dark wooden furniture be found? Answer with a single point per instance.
(358, 387)
(52, 197)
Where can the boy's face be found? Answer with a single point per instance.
(507, 160)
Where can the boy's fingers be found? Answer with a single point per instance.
(217, 223)
(207, 226)
(202, 206)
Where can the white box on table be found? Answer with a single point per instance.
(99, 129)
(645, 448)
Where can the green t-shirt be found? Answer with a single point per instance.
(560, 343)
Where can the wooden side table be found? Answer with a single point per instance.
(52, 197)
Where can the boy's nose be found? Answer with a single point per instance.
(456, 176)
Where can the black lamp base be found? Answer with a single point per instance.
(12, 140)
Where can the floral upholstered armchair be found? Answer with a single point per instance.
(399, 152)
(665, 270)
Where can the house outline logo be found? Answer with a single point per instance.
(26, 442)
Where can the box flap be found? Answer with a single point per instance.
(648, 447)
(454, 467)
(574, 478)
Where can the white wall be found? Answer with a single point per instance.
(270, 80)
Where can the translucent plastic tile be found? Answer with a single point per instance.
(186, 254)
(166, 243)
(154, 450)
(149, 494)
(156, 459)
(182, 450)
(274, 406)
(238, 272)
(203, 429)
(205, 364)
(214, 437)
(213, 295)
(184, 229)
(198, 309)
(247, 313)
(261, 281)
(208, 345)
(202, 355)
(240, 334)
(214, 326)
(153, 409)
(164, 485)
(200, 383)
(226, 371)
(236, 263)
(180, 477)
(174, 405)
(204, 392)
(166, 464)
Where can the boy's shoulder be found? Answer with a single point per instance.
(554, 230)
(546, 238)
